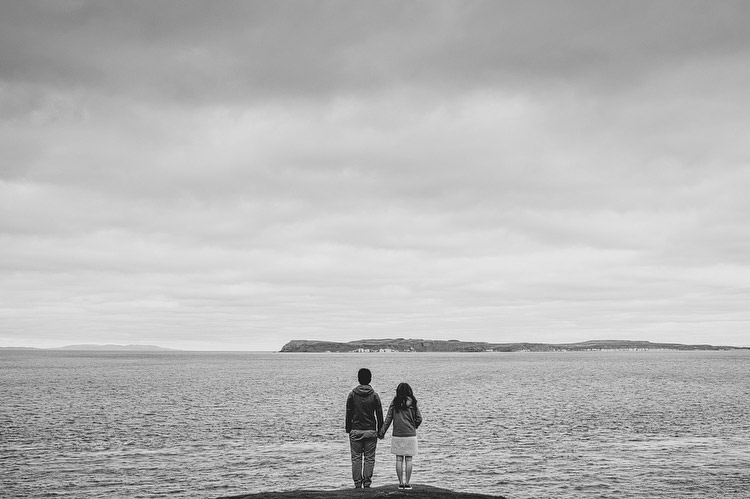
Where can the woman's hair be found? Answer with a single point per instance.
(403, 393)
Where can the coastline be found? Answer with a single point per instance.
(382, 492)
(391, 345)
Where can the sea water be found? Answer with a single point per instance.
(523, 425)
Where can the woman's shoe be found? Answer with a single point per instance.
(407, 487)
(400, 485)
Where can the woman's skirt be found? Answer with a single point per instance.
(404, 446)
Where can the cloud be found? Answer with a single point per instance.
(244, 52)
(235, 175)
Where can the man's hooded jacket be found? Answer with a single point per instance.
(363, 410)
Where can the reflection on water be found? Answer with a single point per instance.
(562, 425)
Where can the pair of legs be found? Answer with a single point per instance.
(363, 460)
(403, 469)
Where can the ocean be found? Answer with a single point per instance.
(649, 424)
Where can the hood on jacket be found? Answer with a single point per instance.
(363, 390)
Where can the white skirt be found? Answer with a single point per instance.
(404, 446)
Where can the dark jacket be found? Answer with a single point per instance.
(405, 421)
(363, 409)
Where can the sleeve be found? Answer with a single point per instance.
(417, 417)
(379, 411)
(384, 426)
(349, 413)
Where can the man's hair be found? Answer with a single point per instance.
(365, 376)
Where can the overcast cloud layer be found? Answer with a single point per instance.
(234, 175)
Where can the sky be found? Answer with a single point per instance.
(235, 175)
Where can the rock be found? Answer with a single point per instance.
(386, 491)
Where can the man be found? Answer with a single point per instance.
(364, 418)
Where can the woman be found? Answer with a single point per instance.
(406, 418)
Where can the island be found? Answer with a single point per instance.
(116, 348)
(386, 491)
(419, 345)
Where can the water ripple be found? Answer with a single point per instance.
(590, 425)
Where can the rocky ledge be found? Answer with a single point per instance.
(387, 491)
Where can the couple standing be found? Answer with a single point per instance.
(365, 425)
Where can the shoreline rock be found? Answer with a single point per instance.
(382, 492)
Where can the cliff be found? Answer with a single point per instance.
(419, 345)
(388, 491)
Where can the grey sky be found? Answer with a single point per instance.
(234, 175)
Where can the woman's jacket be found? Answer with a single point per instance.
(405, 421)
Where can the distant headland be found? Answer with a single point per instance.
(418, 345)
(127, 348)
(102, 348)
